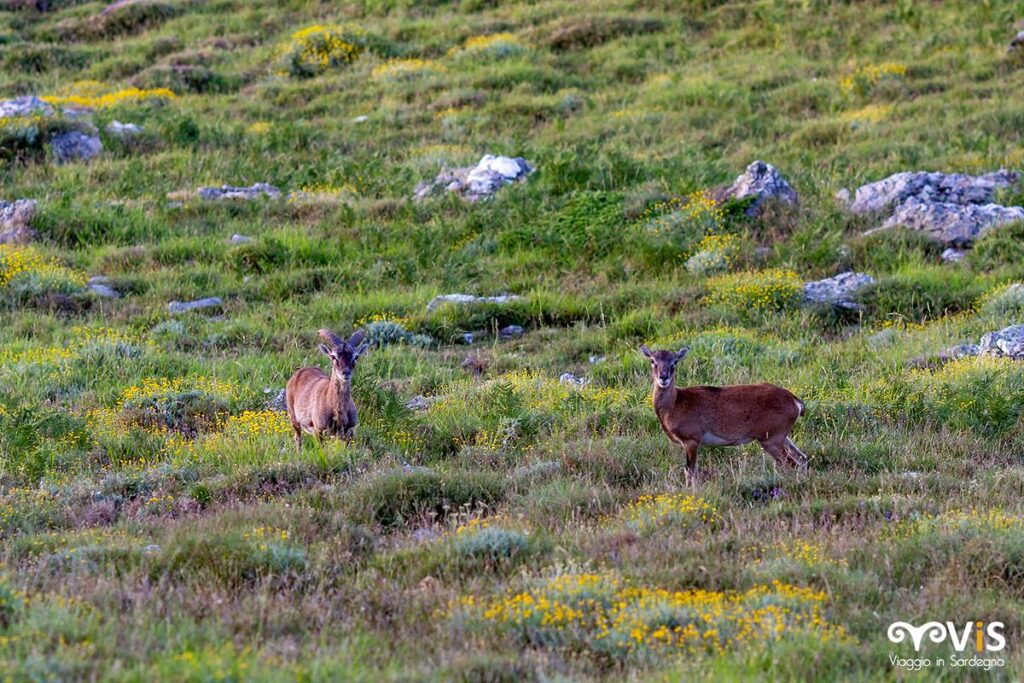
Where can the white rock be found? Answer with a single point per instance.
(185, 306)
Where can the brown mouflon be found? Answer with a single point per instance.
(723, 416)
(321, 404)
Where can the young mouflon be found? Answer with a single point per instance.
(723, 416)
(321, 404)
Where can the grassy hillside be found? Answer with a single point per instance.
(156, 522)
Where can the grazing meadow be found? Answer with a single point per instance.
(494, 518)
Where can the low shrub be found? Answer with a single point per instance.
(394, 498)
(759, 291)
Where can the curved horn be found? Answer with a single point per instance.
(330, 337)
(356, 337)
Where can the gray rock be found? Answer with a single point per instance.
(14, 221)
(29, 105)
(1007, 342)
(104, 291)
(481, 181)
(837, 290)
(99, 280)
(185, 306)
(954, 224)
(594, 360)
(277, 400)
(463, 299)
(962, 351)
(240, 239)
(511, 332)
(122, 130)
(573, 380)
(468, 338)
(419, 403)
(152, 549)
(361, 119)
(75, 146)
(1018, 40)
(952, 255)
(950, 188)
(762, 181)
(254, 191)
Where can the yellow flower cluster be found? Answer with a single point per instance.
(254, 424)
(959, 520)
(265, 533)
(24, 261)
(609, 616)
(764, 290)
(401, 69)
(497, 44)
(36, 356)
(648, 512)
(315, 49)
(698, 210)
(868, 76)
(155, 387)
(322, 193)
(258, 128)
(806, 553)
(873, 113)
(112, 99)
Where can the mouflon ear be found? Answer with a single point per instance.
(646, 351)
(681, 353)
(324, 349)
(356, 337)
(360, 350)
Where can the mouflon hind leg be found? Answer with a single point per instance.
(799, 458)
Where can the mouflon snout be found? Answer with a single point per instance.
(663, 364)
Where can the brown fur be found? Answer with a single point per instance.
(321, 404)
(723, 416)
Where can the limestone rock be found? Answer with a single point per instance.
(837, 290)
(951, 188)
(957, 225)
(198, 304)
(463, 299)
(254, 191)
(481, 181)
(762, 181)
(75, 146)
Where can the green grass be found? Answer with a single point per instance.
(155, 519)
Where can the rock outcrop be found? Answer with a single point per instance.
(231, 192)
(838, 290)
(15, 218)
(953, 208)
(763, 182)
(463, 299)
(481, 181)
(75, 146)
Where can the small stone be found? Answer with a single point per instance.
(279, 400)
(24, 106)
(185, 306)
(419, 403)
(227, 192)
(594, 360)
(75, 146)
(952, 255)
(240, 239)
(152, 549)
(104, 291)
(361, 119)
(467, 338)
(122, 130)
(511, 332)
(837, 290)
(99, 280)
(573, 380)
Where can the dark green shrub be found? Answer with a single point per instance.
(582, 32)
(393, 498)
(921, 294)
(889, 250)
(999, 249)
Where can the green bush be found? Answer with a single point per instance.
(492, 544)
(890, 250)
(756, 291)
(397, 497)
(921, 293)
